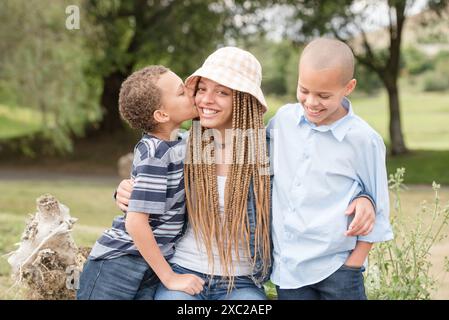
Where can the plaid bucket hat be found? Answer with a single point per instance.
(234, 68)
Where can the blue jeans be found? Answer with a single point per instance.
(344, 284)
(214, 289)
(124, 278)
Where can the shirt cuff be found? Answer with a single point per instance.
(363, 194)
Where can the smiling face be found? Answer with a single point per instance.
(177, 100)
(214, 103)
(321, 92)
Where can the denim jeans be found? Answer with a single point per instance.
(344, 284)
(214, 289)
(124, 278)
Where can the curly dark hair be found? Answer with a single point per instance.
(140, 97)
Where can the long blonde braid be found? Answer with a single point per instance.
(202, 194)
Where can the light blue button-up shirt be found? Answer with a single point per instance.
(318, 170)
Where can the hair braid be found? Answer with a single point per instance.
(249, 159)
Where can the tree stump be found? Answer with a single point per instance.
(48, 262)
(124, 165)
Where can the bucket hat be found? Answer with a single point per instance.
(233, 68)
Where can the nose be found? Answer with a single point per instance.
(208, 97)
(311, 100)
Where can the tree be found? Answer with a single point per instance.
(41, 66)
(130, 34)
(347, 20)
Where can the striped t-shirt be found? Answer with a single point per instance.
(158, 190)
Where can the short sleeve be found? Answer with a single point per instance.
(149, 193)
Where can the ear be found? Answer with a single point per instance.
(161, 116)
(350, 86)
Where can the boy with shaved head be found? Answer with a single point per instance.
(323, 156)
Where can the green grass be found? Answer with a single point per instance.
(16, 122)
(422, 166)
(424, 118)
(90, 201)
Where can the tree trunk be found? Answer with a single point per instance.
(396, 136)
(109, 102)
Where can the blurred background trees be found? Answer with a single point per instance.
(42, 69)
(352, 21)
(63, 84)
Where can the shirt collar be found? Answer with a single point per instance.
(339, 128)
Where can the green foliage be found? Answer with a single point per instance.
(367, 81)
(441, 60)
(270, 290)
(63, 73)
(131, 34)
(15, 122)
(423, 166)
(280, 65)
(42, 66)
(436, 82)
(400, 269)
(127, 35)
(347, 21)
(415, 61)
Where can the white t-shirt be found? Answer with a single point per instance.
(192, 255)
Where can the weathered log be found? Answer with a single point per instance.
(48, 262)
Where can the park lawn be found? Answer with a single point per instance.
(90, 201)
(422, 166)
(16, 122)
(425, 116)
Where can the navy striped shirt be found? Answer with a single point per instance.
(158, 190)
